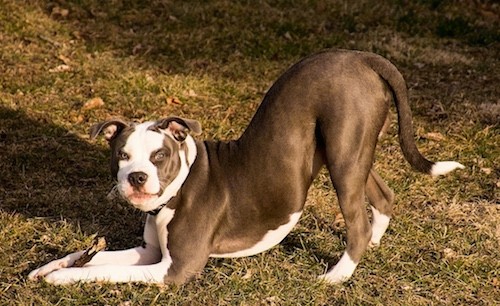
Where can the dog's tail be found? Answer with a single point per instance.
(393, 77)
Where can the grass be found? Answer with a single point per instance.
(215, 60)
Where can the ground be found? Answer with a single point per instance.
(67, 64)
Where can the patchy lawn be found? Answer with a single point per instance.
(67, 64)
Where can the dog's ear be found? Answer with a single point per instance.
(179, 127)
(110, 129)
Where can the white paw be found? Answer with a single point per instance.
(48, 268)
(373, 244)
(54, 266)
(342, 271)
(333, 278)
(380, 223)
(64, 276)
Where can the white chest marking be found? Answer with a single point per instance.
(270, 239)
(162, 220)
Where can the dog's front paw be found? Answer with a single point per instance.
(54, 265)
(48, 268)
(63, 276)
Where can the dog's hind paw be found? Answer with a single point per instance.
(342, 271)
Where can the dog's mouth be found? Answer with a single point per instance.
(140, 196)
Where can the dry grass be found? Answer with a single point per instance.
(213, 61)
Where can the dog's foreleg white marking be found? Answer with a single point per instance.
(342, 270)
(111, 273)
(380, 223)
(270, 239)
(54, 265)
(441, 168)
(136, 256)
(161, 222)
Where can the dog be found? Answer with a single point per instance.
(239, 198)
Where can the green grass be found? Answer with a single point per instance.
(218, 58)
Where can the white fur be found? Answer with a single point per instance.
(270, 239)
(154, 273)
(380, 223)
(441, 168)
(342, 270)
(155, 231)
(139, 146)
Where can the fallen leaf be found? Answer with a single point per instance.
(248, 274)
(272, 300)
(59, 12)
(192, 93)
(173, 100)
(93, 103)
(64, 59)
(433, 136)
(60, 68)
(496, 282)
(76, 118)
(339, 220)
(449, 253)
(137, 48)
(486, 170)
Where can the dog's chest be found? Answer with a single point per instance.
(161, 221)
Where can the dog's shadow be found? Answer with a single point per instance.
(293, 242)
(51, 174)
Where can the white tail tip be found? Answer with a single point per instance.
(441, 168)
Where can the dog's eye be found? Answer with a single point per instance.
(122, 155)
(159, 156)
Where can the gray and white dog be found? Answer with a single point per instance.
(239, 198)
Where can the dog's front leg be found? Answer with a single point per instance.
(154, 273)
(55, 265)
(141, 255)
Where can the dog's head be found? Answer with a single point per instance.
(150, 160)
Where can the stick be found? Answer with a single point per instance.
(98, 245)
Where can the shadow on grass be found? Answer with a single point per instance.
(181, 36)
(184, 35)
(52, 174)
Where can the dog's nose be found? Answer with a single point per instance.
(137, 179)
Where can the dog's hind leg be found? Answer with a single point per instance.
(381, 198)
(350, 188)
(349, 177)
